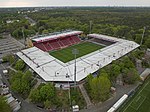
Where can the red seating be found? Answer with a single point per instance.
(57, 44)
(48, 47)
(40, 46)
(76, 39)
(72, 40)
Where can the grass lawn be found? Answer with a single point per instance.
(140, 101)
(66, 55)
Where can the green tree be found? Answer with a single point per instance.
(131, 76)
(45, 32)
(35, 96)
(128, 63)
(115, 71)
(9, 58)
(4, 107)
(147, 43)
(19, 65)
(21, 82)
(47, 92)
(47, 104)
(100, 88)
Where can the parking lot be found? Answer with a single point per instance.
(9, 45)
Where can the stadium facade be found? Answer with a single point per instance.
(50, 68)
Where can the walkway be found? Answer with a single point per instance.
(12, 68)
(85, 95)
(38, 83)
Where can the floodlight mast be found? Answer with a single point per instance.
(90, 27)
(69, 92)
(24, 36)
(75, 52)
(143, 35)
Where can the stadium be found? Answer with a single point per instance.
(52, 58)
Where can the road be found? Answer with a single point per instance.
(25, 105)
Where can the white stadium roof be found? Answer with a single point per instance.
(52, 69)
(55, 36)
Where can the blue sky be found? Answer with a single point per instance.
(23, 3)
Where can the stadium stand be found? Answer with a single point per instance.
(102, 41)
(56, 42)
(50, 68)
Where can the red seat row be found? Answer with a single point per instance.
(57, 43)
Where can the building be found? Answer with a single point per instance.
(50, 68)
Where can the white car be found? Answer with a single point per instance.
(5, 71)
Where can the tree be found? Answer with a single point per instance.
(27, 76)
(147, 43)
(115, 71)
(131, 76)
(35, 96)
(19, 65)
(100, 87)
(138, 38)
(128, 63)
(88, 81)
(47, 92)
(21, 82)
(47, 104)
(9, 58)
(103, 87)
(45, 32)
(4, 107)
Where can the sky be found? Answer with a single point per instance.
(30, 3)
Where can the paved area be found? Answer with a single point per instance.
(85, 95)
(38, 83)
(12, 68)
(9, 45)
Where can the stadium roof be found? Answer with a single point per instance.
(55, 36)
(52, 69)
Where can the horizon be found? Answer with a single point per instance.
(74, 3)
(72, 6)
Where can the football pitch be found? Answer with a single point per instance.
(84, 48)
(140, 101)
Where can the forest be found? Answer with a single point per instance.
(123, 22)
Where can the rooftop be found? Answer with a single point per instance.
(52, 69)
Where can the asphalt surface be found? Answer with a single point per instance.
(9, 45)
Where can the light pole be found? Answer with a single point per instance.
(99, 65)
(75, 52)
(24, 36)
(90, 27)
(69, 92)
(143, 35)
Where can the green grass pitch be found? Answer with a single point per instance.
(140, 101)
(84, 48)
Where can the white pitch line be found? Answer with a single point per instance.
(137, 95)
(141, 103)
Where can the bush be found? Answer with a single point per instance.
(9, 58)
(19, 65)
(21, 83)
